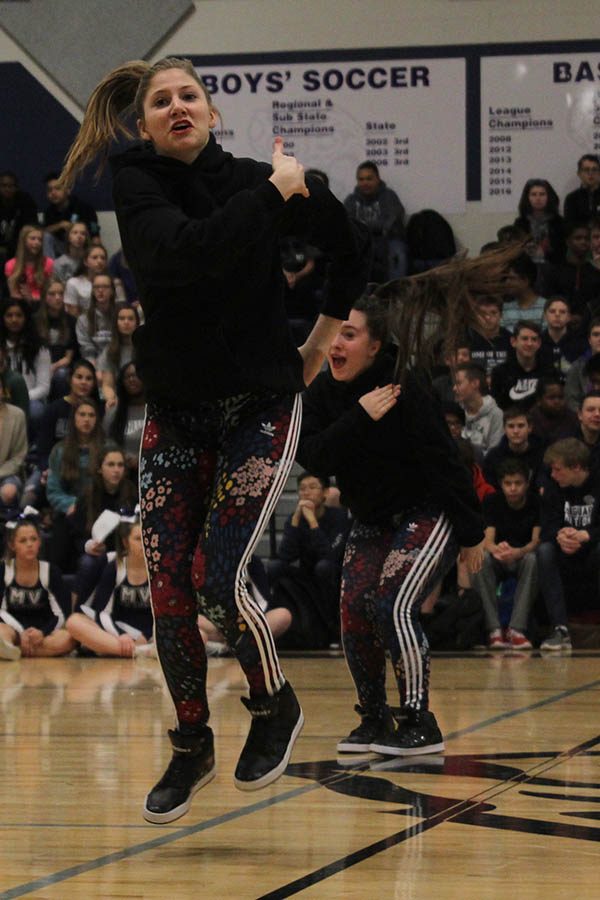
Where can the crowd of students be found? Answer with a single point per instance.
(521, 397)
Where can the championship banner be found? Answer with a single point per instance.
(539, 114)
(334, 115)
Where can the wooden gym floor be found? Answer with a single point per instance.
(512, 809)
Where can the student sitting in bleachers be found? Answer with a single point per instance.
(517, 442)
(551, 419)
(13, 450)
(95, 326)
(118, 352)
(569, 552)
(82, 385)
(109, 488)
(483, 418)
(515, 380)
(314, 538)
(56, 330)
(78, 243)
(578, 377)
(26, 354)
(489, 340)
(512, 530)
(560, 344)
(73, 462)
(124, 422)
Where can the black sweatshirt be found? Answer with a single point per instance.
(406, 459)
(202, 241)
(572, 507)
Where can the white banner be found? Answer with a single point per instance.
(334, 115)
(539, 114)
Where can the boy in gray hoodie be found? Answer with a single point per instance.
(483, 425)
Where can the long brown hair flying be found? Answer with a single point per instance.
(434, 309)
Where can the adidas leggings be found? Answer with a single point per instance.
(388, 572)
(209, 481)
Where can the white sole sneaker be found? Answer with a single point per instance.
(343, 747)
(388, 750)
(178, 811)
(279, 769)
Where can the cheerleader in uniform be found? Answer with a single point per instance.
(35, 602)
(117, 621)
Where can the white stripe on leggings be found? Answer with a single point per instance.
(248, 607)
(429, 557)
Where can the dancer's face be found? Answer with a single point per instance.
(177, 115)
(353, 349)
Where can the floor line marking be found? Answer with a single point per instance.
(457, 810)
(118, 855)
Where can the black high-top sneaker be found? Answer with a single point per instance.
(191, 767)
(370, 731)
(276, 723)
(419, 734)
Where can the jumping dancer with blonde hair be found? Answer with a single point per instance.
(200, 230)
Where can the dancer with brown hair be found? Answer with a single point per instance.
(375, 424)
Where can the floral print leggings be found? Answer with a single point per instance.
(209, 481)
(388, 572)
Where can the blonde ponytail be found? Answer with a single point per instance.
(103, 119)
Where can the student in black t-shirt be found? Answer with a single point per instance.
(314, 536)
(588, 428)
(515, 380)
(575, 278)
(488, 339)
(570, 547)
(584, 202)
(63, 209)
(559, 344)
(518, 442)
(551, 418)
(512, 532)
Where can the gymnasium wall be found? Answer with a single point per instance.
(53, 51)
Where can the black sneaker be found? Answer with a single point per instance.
(191, 767)
(420, 734)
(276, 723)
(370, 730)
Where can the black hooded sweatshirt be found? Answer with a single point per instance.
(202, 241)
(405, 459)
